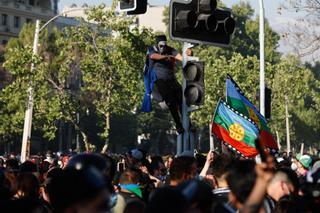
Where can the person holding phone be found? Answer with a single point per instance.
(163, 60)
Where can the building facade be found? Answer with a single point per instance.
(14, 13)
(153, 18)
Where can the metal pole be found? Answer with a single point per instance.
(185, 115)
(60, 14)
(192, 141)
(179, 144)
(262, 74)
(26, 138)
(287, 127)
(210, 136)
(28, 114)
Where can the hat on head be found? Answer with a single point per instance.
(305, 160)
(161, 38)
(85, 161)
(137, 154)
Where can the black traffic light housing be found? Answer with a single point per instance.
(133, 7)
(267, 101)
(193, 72)
(200, 22)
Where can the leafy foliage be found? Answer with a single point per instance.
(83, 67)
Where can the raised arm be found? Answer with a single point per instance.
(156, 56)
(179, 56)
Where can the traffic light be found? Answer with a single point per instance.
(133, 7)
(193, 72)
(200, 22)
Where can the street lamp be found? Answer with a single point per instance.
(262, 73)
(26, 139)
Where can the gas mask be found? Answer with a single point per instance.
(162, 47)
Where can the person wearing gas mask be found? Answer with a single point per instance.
(162, 60)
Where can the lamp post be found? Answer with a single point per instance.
(26, 139)
(262, 73)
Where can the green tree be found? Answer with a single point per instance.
(52, 99)
(299, 85)
(112, 62)
(288, 78)
(108, 54)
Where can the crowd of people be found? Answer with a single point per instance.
(136, 183)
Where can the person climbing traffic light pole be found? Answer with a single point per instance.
(162, 60)
(197, 22)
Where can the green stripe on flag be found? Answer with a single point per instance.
(226, 123)
(238, 105)
(242, 108)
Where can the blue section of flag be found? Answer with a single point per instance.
(234, 91)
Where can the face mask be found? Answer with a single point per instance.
(294, 166)
(162, 45)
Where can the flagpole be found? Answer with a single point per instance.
(287, 127)
(278, 140)
(302, 148)
(210, 136)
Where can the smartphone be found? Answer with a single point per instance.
(260, 150)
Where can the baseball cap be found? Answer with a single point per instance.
(305, 160)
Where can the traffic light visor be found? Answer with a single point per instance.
(192, 71)
(126, 5)
(185, 20)
(229, 25)
(193, 94)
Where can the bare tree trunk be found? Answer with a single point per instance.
(107, 130)
(86, 141)
(107, 115)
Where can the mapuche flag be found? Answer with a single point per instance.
(237, 100)
(235, 129)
